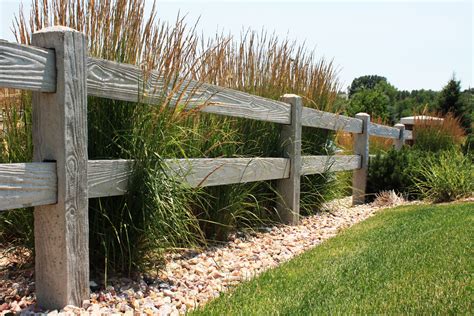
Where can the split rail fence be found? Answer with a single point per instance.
(62, 179)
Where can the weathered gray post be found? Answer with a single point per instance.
(361, 147)
(398, 143)
(289, 189)
(60, 135)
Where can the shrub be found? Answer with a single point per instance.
(445, 177)
(396, 170)
(390, 171)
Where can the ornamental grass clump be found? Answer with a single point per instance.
(445, 177)
(16, 146)
(155, 214)
(436, 134)
(158, 213)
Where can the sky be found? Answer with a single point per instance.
(414, 44)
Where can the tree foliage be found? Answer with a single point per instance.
(373, 94)
(452, 100)
(378, 101)
(372, 101)
(415, 102)
(449, 98)
(365, 82)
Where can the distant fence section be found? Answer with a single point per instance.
(61, 180)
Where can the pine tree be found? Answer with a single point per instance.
(451, 101)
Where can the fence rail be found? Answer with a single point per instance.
(35, 183)
(384, 131)
(61, 76)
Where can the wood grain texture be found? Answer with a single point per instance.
(335, 122)
(223, 101)
(27, 67)
(116, 81)
(322, 164)
(383, 131)
(60, 134)
(361, 148)
(33, 68)
(32, 184)
(108, 177)
(219, 171)
(27, 184)
(288, 200)
(108, 79)
(399, 142)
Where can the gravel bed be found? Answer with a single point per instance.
(191, 279)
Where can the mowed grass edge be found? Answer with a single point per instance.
(412, 259)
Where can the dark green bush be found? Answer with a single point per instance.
(393, 170)
(437, 176)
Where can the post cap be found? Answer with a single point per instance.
(289, 95)
(56, 28)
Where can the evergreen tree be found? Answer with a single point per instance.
(451, 101)
(449, 98)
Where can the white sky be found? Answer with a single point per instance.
(415, 44)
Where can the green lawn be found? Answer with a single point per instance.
(414, 259)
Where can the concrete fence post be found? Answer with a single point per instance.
(60, 135)
(361, 148)
(288, 204)
(398, 143)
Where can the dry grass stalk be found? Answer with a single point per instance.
(257, 63)
(119, 31)
(262, 64)
(388, 198)
(450, 126)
